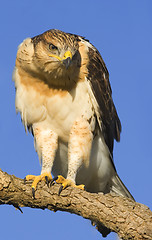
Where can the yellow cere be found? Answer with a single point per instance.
(67, 54)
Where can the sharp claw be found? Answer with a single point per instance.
(33, 192)
(53, 180)
(47, 181)
(18, 208)
(25, 180)
(60, 189)
(51, 183)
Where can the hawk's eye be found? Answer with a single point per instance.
(52, 47)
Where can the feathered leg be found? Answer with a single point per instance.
(79, 149)
(46, 145)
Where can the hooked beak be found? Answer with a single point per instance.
(66, 60)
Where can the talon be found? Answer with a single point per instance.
(47, 180)
(67, 182)
(53, 180)
(36, 179)
(60, 190)
(33, 192)
(25, 180)
(51, 183)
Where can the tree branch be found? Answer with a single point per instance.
(129, 219)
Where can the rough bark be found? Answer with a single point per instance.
(131, 220)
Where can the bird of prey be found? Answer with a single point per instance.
(64, 97)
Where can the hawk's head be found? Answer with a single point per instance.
(53, 56)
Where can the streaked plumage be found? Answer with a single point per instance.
(64, 97)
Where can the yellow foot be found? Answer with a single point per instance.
(46, 176)
(66, 182)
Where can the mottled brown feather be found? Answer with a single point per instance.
(99, 78)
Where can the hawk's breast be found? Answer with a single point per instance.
(54, 109)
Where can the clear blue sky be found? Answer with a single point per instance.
(122, 32)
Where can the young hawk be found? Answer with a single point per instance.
(64, 97)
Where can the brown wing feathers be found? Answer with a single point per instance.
(99, 78)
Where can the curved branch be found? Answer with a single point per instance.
(129, 219)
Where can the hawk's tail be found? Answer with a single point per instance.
(119, 188)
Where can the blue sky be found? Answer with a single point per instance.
(122, 32)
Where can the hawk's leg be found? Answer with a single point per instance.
(79, 149)
(46, 143)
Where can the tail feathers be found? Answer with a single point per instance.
(119, 188)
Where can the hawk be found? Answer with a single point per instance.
(64, 97)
